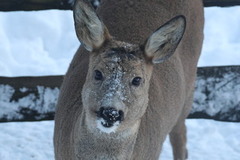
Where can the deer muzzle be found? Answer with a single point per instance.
(110, 116)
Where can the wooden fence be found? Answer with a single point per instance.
(217, 96)
(217, 92)
(29, 5)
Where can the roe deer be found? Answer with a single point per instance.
(131, 83)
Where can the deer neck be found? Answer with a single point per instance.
(94, 144)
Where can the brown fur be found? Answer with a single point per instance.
(152, 111)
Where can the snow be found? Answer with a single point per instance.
(26, 141)
(206, 140)
(36, 43)
(210, 140)
(223, 94)
(44, 42)
(115, 87)
(221, 41)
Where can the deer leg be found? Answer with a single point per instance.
(178, 141)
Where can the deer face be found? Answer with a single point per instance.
(116, 87)
(115, 94)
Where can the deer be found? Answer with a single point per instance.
(131, 82)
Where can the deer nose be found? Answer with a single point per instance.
(110, 115)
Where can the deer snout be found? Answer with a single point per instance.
(110, 116)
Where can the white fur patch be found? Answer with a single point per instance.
(105, 129)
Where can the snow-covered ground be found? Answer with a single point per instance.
(43, 43)
(207, 140)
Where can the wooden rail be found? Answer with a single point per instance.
(217, 96)
(221, 3)
(30, 5)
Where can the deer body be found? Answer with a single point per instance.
(116, 101)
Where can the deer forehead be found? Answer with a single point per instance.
(122, 57)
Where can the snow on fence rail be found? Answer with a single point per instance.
(217, 96)
(29, 5)
(28, 98)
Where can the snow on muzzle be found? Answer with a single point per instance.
(110, 116)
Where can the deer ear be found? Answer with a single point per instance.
(90, 30)
(163, 42)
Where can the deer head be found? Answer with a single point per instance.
(115, 94)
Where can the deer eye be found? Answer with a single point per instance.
(136, 81)
(98, 75)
